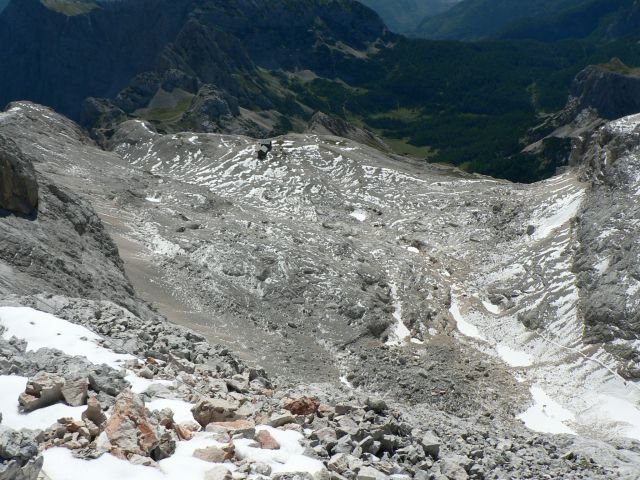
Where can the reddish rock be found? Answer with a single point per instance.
(128, 429)
(182, 432)
(302, 405)
(266, 441)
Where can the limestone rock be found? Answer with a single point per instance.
(41, 391)
(18, 184)
(214, 410)
(266, 440)
(74, 391)
(215, 454)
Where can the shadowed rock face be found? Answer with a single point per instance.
(613, 94)
(324, 124)
(18, 184)
(174, 44)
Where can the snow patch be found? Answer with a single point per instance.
(491, 308)
(546, 415)
(399, 333)
(513, 357)
(181, 409)
(620, 411)
(43, 330)
(464, 327)
(289, 458)
(359, 215)
(559, 213)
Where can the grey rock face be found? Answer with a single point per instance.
(18, 184)
(613, 90)
(607, 267)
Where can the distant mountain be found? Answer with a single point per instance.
(476, 19)
(403, 16)
(153, 47)
(601, 20)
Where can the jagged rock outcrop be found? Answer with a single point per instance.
(598, 93)
(325, 124)
(612, 90)
(607, 264)
(18, 184)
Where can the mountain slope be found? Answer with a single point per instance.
(475, 19)
(598, 20)
(448, 294)
(403, 16)
(182, 43)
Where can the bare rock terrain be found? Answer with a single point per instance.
(403, 320)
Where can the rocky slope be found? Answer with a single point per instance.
(413, 321)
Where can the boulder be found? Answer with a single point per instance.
(280, 419)
(18, 184)
(93, 417)
(430, 444)
(302, 405)
(378, 405)
(215, 454)
(370, 473)
(214, 410)
(129, 430)
(241, 428)
(454, 467)
(41, 391)
(266, 441)
(19, 457)
(74, 391)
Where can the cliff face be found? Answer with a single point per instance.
(613, 90)
(187, 43)
(68, 58)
